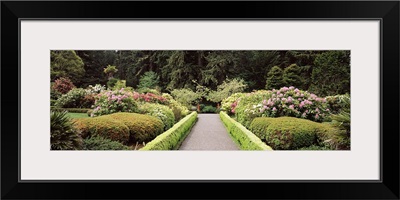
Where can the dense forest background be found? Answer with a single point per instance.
(321, 72)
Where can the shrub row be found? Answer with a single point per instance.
(121, 127)
(246, 139)
(172, 138)
(288, 133)
(71, 110)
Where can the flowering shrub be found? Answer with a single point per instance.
(114, 101)
(73, 99)
(229, 104)
(162, 112)
(338, 102)
(97, 89)
(54, 94)
(290, 101)
(244, 107)
(177, 108)
(150, 98)
(63, 85)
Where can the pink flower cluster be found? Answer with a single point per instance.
(150, 97)
(290, 101)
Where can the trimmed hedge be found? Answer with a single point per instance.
(71, 110)
(288, 133)
(105, 127)
(172, 138)
(121, 127)
(99, 143)
(246, 139)
(142, 128)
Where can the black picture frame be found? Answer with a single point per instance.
(386, 11)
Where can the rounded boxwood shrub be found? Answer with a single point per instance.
(142, 128)
(63, 134)
(100, 143)
(105, 127)
(162, 112)
(287, 133)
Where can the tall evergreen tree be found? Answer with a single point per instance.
(66, 64)
(291, 76)
(274, 78)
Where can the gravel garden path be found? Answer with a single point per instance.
(208, 134)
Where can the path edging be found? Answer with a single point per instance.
(174, 136)
(241, 135)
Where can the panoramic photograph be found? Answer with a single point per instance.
(210, 100)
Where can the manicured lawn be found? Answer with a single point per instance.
(77, 115)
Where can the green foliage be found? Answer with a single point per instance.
(338, 103)
(54, 94)
(177, 108)
(99, 143)
(75, 98)
(142, 128)
(94, 62)
(119, 84)
(243, 137)
(288, 133)
(177, 69)
(121, 127)
(274, 78)
(66, 64)
(226, 104)
(332, 137)
(110, 70)
(63, 85)
(245, 110)
(77, 115)
(103, 126)
(162, 112)
(185, 96)
(315, 148)
(149, 79)
(53, 102)
(148, 90)
(342, 119)
(112, 82)
(71, 110)
(208, 109)
(63, 135)
(172, 138)
(291, 76)
(226, 89)
(331, 73)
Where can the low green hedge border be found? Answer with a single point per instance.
(172, 138)
(71, 110)
(246, 139)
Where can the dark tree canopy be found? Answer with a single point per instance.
(322, 72)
